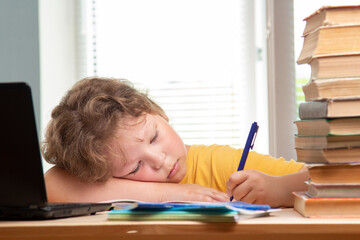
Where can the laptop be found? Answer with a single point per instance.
(22, 185)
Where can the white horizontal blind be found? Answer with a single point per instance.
(202, 112)
(196, 58)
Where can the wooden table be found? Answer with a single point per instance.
(285, 224)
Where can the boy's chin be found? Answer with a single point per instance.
(177, 179)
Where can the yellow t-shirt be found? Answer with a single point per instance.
(211, 166)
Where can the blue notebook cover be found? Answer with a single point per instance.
(198, 211)
(190, 206)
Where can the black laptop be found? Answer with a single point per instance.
(22, 186)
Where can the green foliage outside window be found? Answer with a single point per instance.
(299, 92)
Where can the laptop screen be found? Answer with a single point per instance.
(21, 173)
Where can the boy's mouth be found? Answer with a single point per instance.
(174, 169)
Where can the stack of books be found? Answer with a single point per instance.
(328, 132)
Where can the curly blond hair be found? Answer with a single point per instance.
(86, 118)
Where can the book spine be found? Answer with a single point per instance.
(313, 110)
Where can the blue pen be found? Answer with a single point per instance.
(249, 145)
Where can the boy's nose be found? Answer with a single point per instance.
(157, 160)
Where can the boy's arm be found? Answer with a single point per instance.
(63, 187)
(292, 183)
(256, 187)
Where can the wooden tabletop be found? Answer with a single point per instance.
(285, 224)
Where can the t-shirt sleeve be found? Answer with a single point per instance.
(270, 165)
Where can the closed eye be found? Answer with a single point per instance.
(137, 168)
(154, 138)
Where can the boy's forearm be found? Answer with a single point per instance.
(160, 192)
(292, 183)
(144, 191)
(63, 187)
(136, 190)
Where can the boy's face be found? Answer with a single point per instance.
(148, 150)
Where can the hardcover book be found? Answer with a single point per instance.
(326, 207)
(327, 142)
(330, 155)
(335, 66)
(333, 190)
(338, 88)
(325, 127)
(334, 173)
(332, 16)
(331, 108)
(334, 40)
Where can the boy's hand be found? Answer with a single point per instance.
(252, 186)
(193, 192)
(256, 187)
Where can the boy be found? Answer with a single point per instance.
(108, 141)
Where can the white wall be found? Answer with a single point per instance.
(19, 46)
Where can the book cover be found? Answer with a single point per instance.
(327, 142)
(338, 88)
(189, 206)
(200, 211)
(328, 126)
(169, 215)
(331, 40)
(330, 155)
(332, 16)
(326, 207)
(333, 190)
(335, 66)
(335, 173)
(330, 108)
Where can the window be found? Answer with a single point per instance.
(201, 60)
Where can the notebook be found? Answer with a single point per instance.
(22, 185)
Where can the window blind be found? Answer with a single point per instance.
(201, 112)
